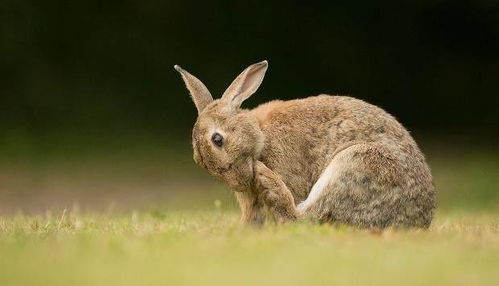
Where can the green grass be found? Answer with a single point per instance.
(209, 248)
(179, 238)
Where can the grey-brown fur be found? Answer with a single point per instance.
(274, 154)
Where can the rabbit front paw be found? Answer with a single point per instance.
(274, 193)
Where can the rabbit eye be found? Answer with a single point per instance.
(217, 139)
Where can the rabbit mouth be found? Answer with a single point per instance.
(222, 170)
(252, 167)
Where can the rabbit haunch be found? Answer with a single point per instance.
(345, 160)
(317, 189)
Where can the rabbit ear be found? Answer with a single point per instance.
(245, 85)
(199, 93)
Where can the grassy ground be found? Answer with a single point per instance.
(179, 236)
(208, 248)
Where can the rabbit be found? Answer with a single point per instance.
(324, 158)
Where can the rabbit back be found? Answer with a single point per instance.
(361, 158)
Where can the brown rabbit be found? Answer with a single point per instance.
(327, 158)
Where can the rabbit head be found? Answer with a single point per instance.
(226, 139)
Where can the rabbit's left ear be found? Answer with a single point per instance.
(245, 85)
(199, 93)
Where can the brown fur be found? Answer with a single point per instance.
(275, 153)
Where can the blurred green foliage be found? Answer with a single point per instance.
(91, 110)
(148, 176)
(89, 73)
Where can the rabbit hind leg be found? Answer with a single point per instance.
(364, 186)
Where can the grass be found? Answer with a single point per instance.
(209, 248)
(177, 237)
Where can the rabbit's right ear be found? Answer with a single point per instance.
(199, 93)
(244, 85)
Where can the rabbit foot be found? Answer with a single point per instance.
(274, 193)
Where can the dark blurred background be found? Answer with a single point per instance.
(90, 102)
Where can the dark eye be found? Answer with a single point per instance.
(217, 139)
